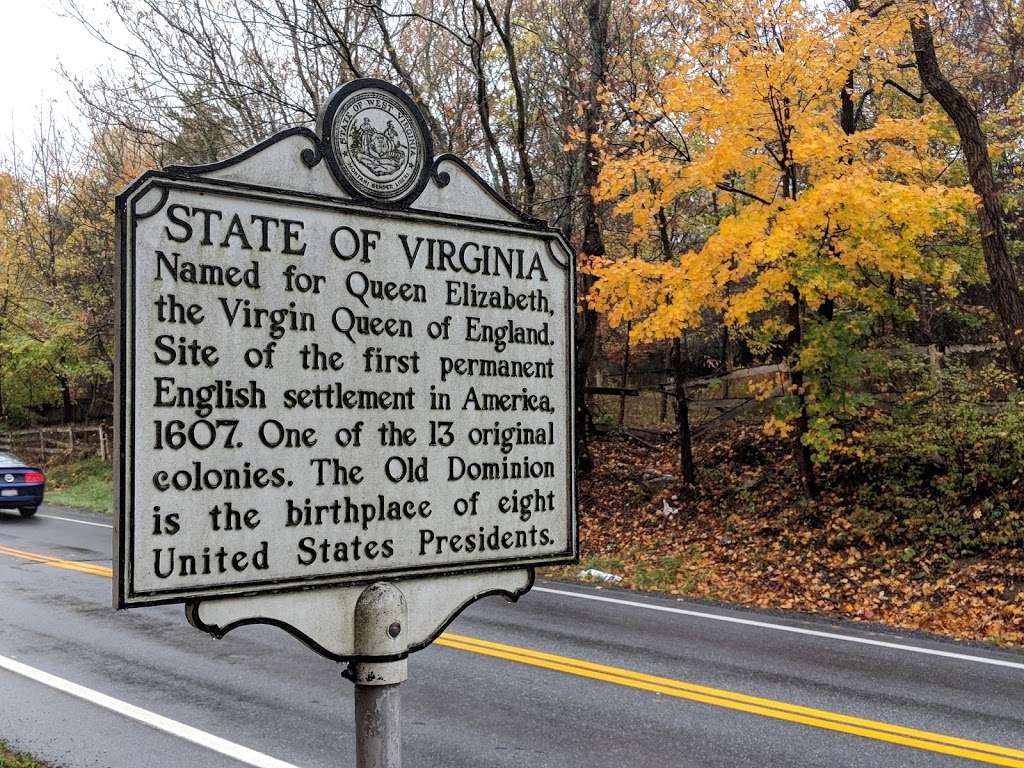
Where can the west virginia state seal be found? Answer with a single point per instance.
(377, 142)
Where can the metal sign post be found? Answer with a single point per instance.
(345, 399)
(377, 708)
(380, 614)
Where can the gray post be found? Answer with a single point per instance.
(380, 618)
(378, 713)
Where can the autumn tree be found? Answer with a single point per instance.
(57, 270)
(818, 229)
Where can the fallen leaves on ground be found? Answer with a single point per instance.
(748, 535)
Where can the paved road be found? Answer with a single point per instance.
(668, 684)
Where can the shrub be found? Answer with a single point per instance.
(942, 465)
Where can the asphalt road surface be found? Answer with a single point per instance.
(570, 676)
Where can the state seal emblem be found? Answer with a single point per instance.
(377, 142)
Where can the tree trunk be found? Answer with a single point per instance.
(67, 406)
(663, 412)
(504, 27)
(1006, 294)
(625, 379)
(593, 243)
(483, 104)
(723, 358)
(409, 82)
(801, 452)
(679, 363)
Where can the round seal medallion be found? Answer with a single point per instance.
(378, 142)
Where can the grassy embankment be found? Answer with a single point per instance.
(85, 483)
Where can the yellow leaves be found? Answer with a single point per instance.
(575, 134)
(776, 426)
(661, 299)
(818, 144)
(769, 289)
(762, 389)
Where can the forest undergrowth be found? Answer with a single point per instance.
(919, 524)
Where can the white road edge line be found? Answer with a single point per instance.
(72, 520)
(785, 628)
(161, 723)
(736, 620)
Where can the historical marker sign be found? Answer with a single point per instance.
(338, 372)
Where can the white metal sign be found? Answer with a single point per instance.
(341, 360)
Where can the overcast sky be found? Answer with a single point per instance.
(36, 40)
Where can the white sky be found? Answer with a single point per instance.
(36, 40)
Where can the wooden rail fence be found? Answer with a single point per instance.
(48, 443)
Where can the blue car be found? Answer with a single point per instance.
(21, 486)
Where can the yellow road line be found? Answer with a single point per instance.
(872, 729)
(56, 562)
(992, 754)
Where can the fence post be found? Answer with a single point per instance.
(103, 442)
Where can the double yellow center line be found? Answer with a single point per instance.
(56, 562)
(818, 718)
(779, 710)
